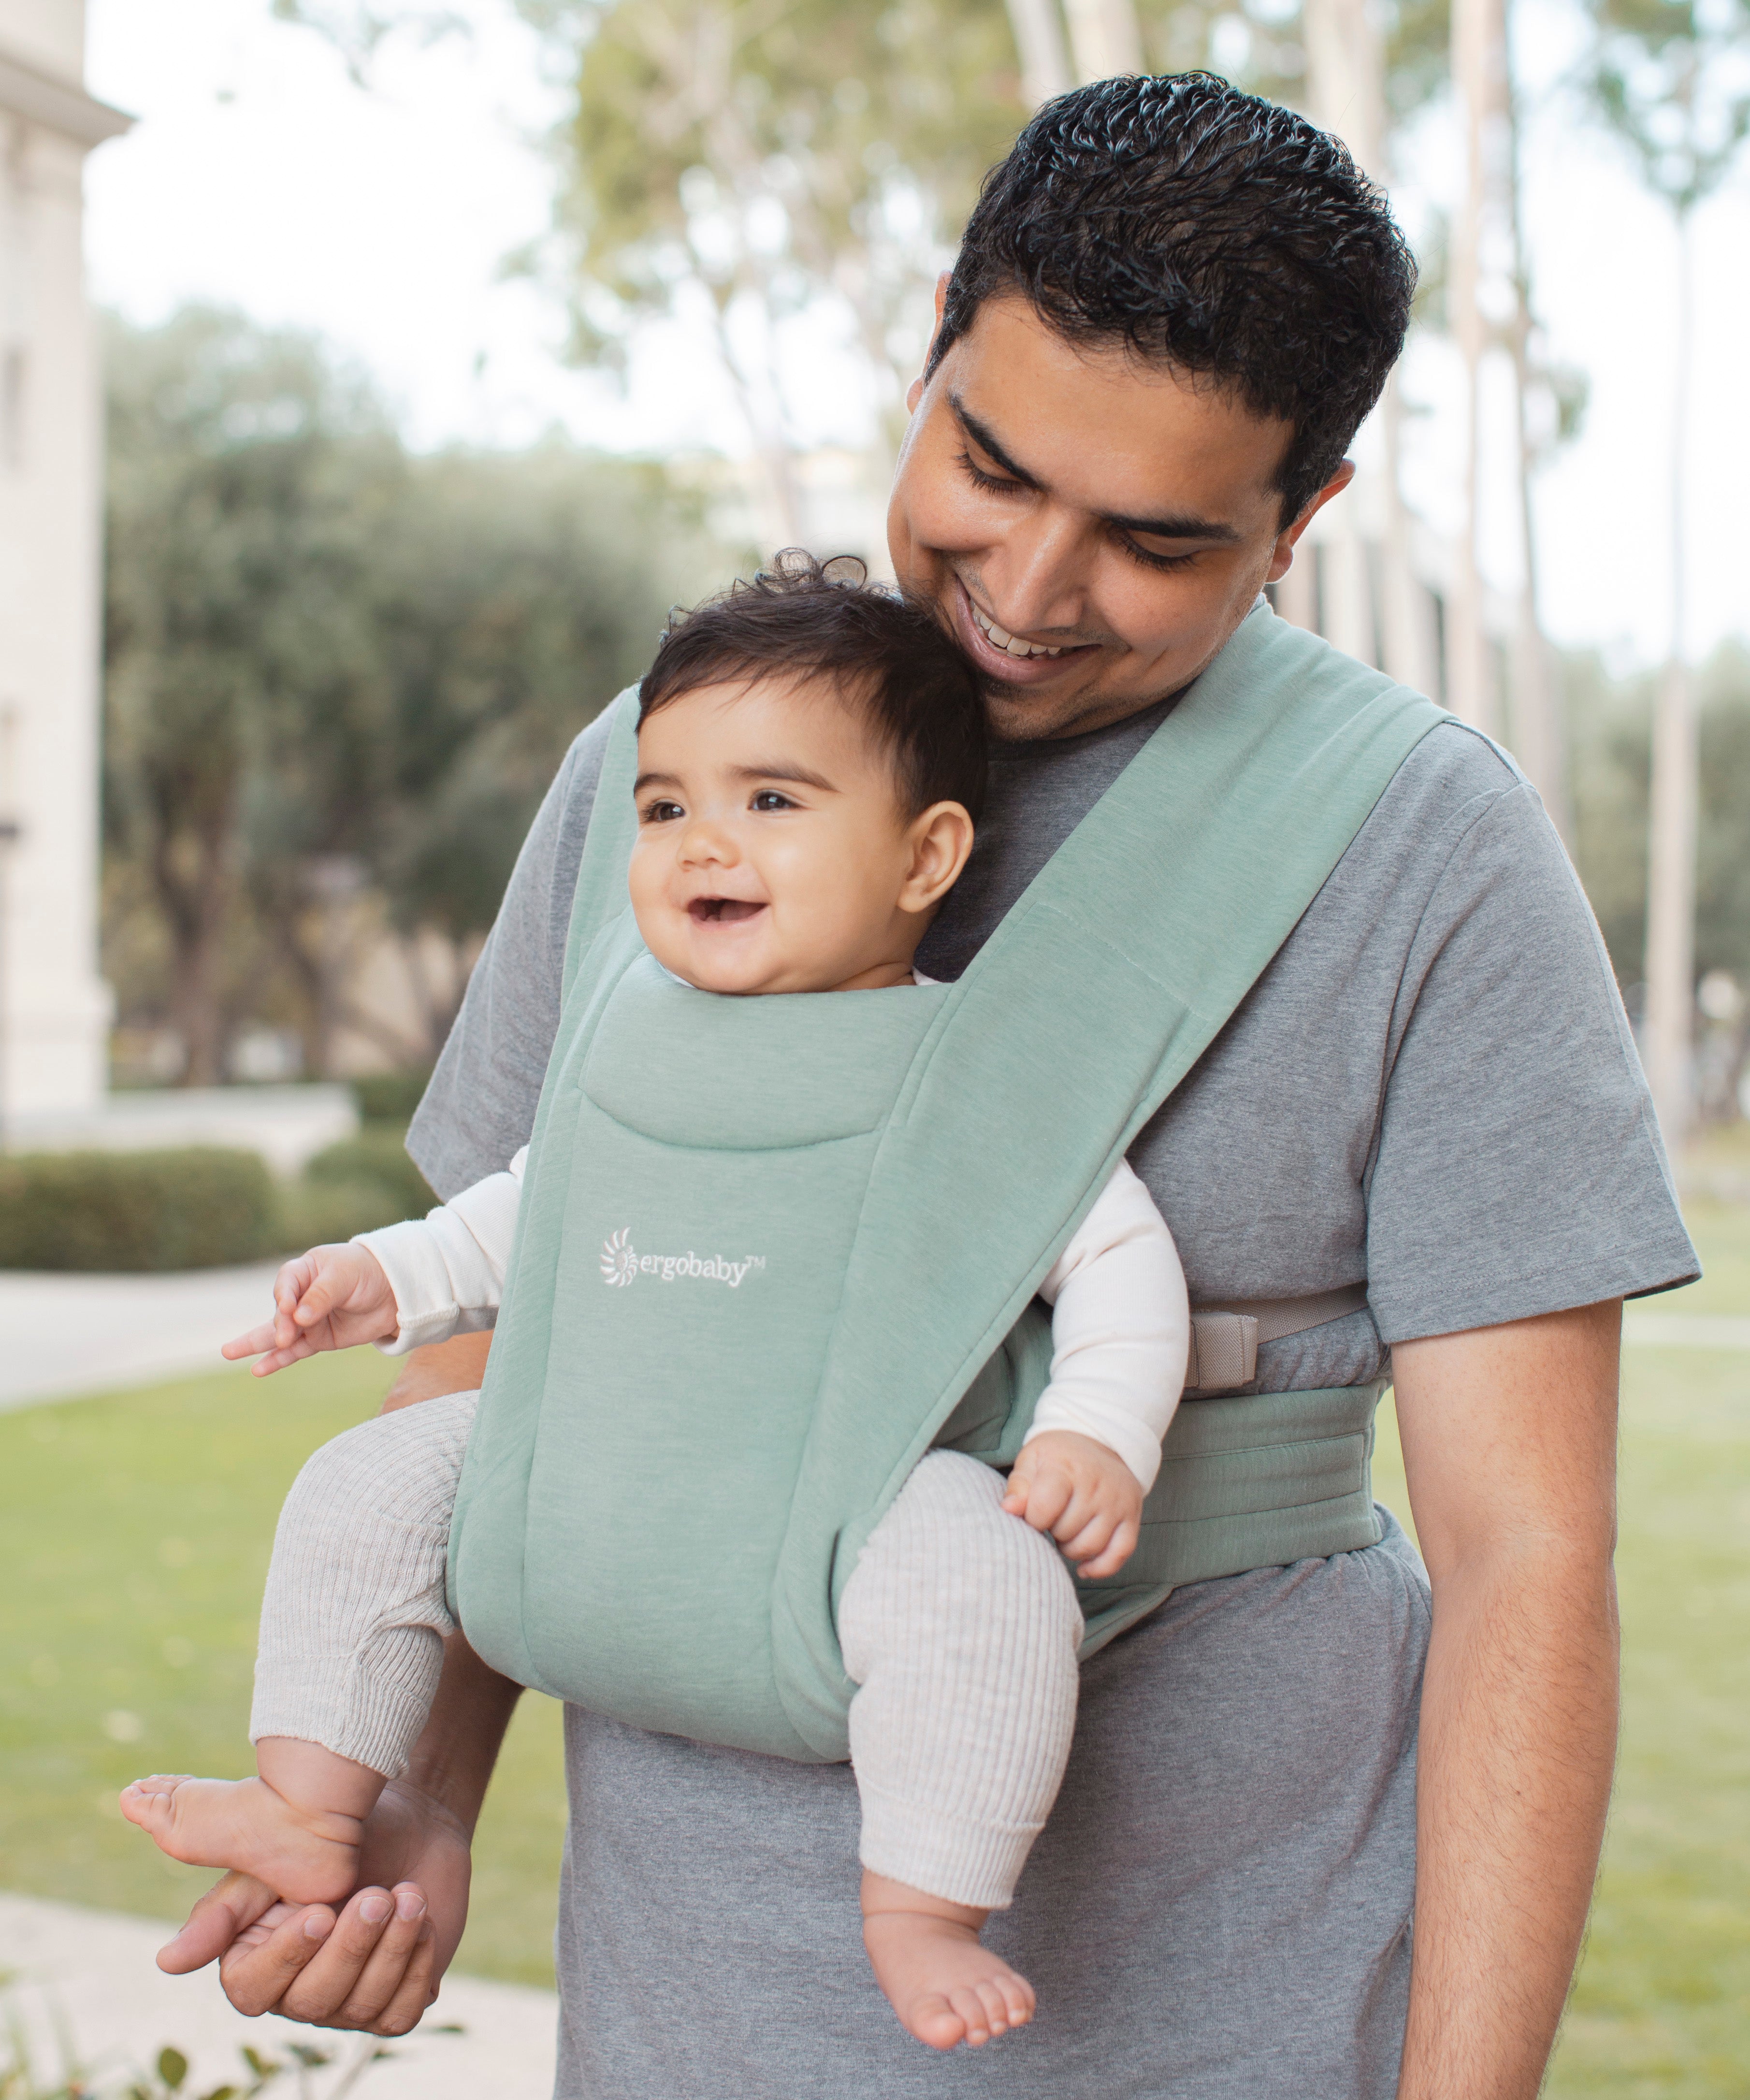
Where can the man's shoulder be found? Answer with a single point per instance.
(1457, 784)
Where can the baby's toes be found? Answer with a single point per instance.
(1018, 2000)
(934, 2020)
(968, 2002)
(148, 1801)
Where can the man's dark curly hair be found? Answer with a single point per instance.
(821, 623)
(1206, 230)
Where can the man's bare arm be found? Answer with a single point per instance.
(440, 1367)
(1509, 1443)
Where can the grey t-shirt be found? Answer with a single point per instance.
(1432, 1087)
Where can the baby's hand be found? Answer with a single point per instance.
(331, 1297)
(1083, 1493)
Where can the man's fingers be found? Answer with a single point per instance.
(257, 1978)
(383, 1980)
(231, 1906)
(396, 1986)
(407, 2008)
(322, 1991)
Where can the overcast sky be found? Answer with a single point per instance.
(260, 176)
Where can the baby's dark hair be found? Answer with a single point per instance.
(806, 619)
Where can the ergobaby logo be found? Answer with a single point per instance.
(621, 1262)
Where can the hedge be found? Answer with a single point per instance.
(196, 1207)
(391, 1096)
(377, 1156)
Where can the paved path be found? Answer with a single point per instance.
(90, 1975)
(65, 1334)
(1685, 1330)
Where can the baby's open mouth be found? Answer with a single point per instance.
(722, 910)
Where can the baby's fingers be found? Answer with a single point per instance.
(1049, 1493)
(277, 1360)
(250, 1344)
(1123, 1545)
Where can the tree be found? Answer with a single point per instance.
(246, 478)
(339, 676)
(739, 161)
(1671, 80)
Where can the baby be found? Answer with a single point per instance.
(810, 763)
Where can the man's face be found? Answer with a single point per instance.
(1115, 515)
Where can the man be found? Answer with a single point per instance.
(1173, 307)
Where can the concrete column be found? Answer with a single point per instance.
(54, 1006)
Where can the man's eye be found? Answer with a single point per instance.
(663, 813)
(768, 798)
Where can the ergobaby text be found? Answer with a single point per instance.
(621, 1262)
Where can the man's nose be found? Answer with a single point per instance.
(1038, 578)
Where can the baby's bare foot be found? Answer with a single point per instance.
(305, 1855)
(944, 1983)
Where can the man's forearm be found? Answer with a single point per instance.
(1510, 1445)
(452, 1762)
(1518, 1740)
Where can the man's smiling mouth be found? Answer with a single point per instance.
(1000, 638)
(722, 910)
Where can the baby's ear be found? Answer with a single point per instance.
(942, 838)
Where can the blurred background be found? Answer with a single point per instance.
(373, 377)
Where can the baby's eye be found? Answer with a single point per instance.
(768, 798)
(662, 812)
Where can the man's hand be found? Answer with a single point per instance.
(377, 1965)
(331, 1297)
(1082, 1492)
(1509, 1443)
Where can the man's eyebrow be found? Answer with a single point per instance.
(985, 438)
(1177, 526)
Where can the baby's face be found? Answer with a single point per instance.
(772, 854)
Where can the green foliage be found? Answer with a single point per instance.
(1609, 730)
(377, 1155)
(333, 665)
(779, 156)
(391, 1096)
(192, 1208)
(1670, 79)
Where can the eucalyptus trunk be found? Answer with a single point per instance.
(1669, 1027)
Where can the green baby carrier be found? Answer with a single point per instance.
(771, 1250)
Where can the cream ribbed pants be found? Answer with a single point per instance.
(959, 1625)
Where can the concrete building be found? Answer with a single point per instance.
(54, 1006)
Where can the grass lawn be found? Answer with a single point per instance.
(136, 1531)
(1661, 2009)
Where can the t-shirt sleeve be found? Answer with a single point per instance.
(1517, 1167)
(479, 1108)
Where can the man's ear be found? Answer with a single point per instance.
(1282, 554)
(940, 839)
(914, 391)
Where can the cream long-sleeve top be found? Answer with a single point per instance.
(1120, 1315)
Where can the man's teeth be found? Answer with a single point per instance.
(1011, 643)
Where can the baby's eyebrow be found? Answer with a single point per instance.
(786, 769)
(654, 780)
